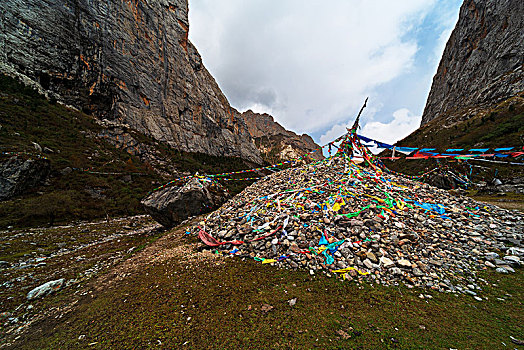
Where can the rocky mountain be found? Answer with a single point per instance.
(129, 63)
(272, 139)
(483, 62)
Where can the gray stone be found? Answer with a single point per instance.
(172, 205)
(404, 263)
(371, 257)
(395, 271)
(489, 264)
(518, 251)
(386, 262)
(17, 175)
(368, 263)
(482, 59)
(491, 255)
(512, 259)
(417, 272)
(45, 289)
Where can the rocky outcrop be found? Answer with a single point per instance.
(483, 62)
(18, 175)
(271, 137)
(127, 61)
(172, 205)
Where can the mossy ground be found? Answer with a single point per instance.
(172, 301)
(504, 200)
(26, 117)
(499, 126)
(73, 252)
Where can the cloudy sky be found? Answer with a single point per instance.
(311, 63)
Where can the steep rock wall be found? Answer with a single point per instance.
(483, 62)
(127, 61)
(270, 135)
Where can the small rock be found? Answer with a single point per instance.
(404, 263)
(512, 259)
(266, 308)
(45, 289)
(371, 257)
(386, 262)
(368, 263)
(417, 272)
(395, 271)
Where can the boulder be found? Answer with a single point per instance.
(444, 181)
(172, 205)
(19, 175)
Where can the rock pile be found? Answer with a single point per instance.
(357, 222)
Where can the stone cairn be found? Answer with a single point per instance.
(361, 222)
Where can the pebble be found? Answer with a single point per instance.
(368, 264)
(387, 262)
(404, 263)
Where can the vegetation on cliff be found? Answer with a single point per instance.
(70, 138)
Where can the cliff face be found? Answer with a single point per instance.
(127, 61)
(483, 62)
(271, 137)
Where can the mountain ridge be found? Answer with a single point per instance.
(483, 62)
(128, 63)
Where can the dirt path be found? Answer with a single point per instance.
(103, 263)
(172, 245)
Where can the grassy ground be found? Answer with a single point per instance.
(499, 126)
(171, 296)
(75, 253)
(27, 117)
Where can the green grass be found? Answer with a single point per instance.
(500, 126)
(219, 306)
(221, 303)
(26, 117)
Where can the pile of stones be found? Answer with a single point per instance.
(359, 223)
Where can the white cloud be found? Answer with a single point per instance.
(307, 63)
(332, 134)
(402, 124)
